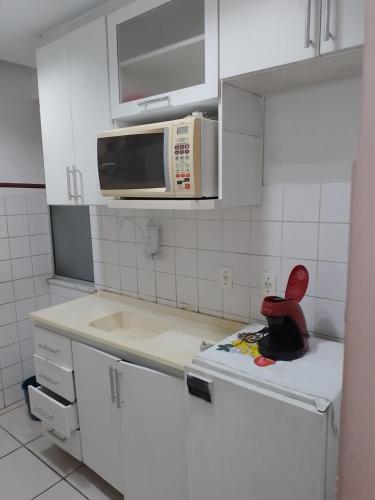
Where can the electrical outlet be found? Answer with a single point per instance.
(226, 280)
(269, 284)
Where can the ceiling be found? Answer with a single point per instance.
(23, 21)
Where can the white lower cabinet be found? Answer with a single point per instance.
(127, 424)
(153, 434)
(99, 417)
(250, 443)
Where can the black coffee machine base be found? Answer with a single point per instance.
(284, 341)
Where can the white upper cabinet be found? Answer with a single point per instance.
(89, 94)
(261, 34)
(74, 107)
(56, 121)
(257, 34)
(343, 24)
(162, 54)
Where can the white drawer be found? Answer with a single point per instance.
(56, 378)
(71, 445)
(54, 347)
(58, 414)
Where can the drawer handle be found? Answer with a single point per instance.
(48, 379)
(48, 348)
(53, 433)
(43, 413)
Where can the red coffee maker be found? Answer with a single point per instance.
(287, 337)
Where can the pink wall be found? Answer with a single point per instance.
(357, 453)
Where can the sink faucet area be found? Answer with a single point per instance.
(133, 325)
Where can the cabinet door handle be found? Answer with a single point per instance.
(327, 21)
(68, 172)
(112, 384)
(48, 348)
(156, 100)
(43, 413)
(48, 379)
(75, 184)
(308, 40)
(199, 388)
(118, 395)
(78, 192)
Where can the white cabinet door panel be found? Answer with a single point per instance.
(259, 34)
(153, 434)
(251, 444)
(99, 417)
(343, 24)
(56, 119)
(89, 88)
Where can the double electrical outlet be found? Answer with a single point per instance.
(268, 284)
(269, 281)
(226, 279)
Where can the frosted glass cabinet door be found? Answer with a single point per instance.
(259, 34)
(56, 120)
(162, 53)
(343, 24)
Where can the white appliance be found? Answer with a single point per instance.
(173, 159)
(264, 433)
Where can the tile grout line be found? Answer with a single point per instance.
(44, 491)
(24, 445)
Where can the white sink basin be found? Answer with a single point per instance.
(132, 325)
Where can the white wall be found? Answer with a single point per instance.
(20, 137)
(312, 134)
(25, 267)
(311, 138)
(298, 224)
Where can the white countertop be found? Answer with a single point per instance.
(317, 374)
(174, 347)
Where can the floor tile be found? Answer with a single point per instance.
(61, 491)
(7, 409)
(7, 443)
(93, 486)
(23, 476)
(52, 455)
(19, 424)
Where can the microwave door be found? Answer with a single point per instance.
(167, 161)
(135, 164)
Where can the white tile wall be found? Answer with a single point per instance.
(306, 224)
(25, 266)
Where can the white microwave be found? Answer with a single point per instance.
(175, 159)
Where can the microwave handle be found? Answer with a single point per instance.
(166, 160)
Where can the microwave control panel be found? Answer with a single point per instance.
(183, 170)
